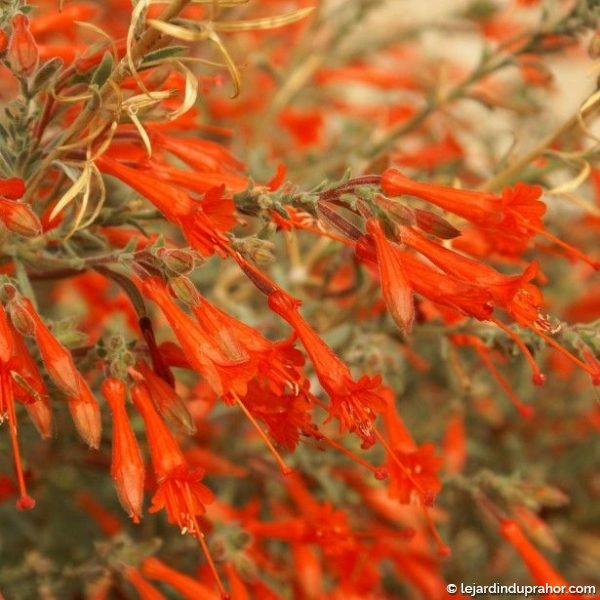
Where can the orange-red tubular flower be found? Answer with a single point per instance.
(480, 208)
(189, 588)
(542, 572)
(514, 218)
(436, 286)
(57, 359)
(17, 216)
(397, 292)
(6, 338)
(85, 413)
(3, 42)
(29, 388)
(22, 52)
(307, 567)
(12, 188)
(204, 354)
(7, 406)
(127, 464)
(515, 294)
(353, 403)
(455, 444)
(202, 228)
(179, 491)
(145, 589)
(238, 588)
(166, 399)
(277, 362)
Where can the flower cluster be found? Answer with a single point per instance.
(285, 361)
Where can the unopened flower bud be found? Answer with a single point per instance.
(23, 52)
(179, 261)
(21, 319)
(7, 292)
(45, 74)
(551, 496)
(57, 359)
(259, 251)
(85, 413)
(436, 225)
(184, 289)
(19, 218)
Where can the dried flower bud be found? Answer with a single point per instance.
(23, 52)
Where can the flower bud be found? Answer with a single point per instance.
(85, 413)
(45, 74)
(20, 318)
(23, 52)
(57, 359)
(127, 463)
(184, 290)
(168, 402)
(179, 261)
(19, 218)
(436, 225)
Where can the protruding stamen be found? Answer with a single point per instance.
(552, 342)
(282, 464)
(25, 502)
(202, 541)
(568, 248)
(538, 377)
(443, 549)
(524, 410)
(379, 472)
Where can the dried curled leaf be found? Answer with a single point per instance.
(178, 32)
(264, 23)
(79, 185)
(575, 182)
